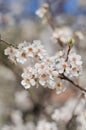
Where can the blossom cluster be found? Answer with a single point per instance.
(67, 112)
(63, 34)
(60, 35)
(41, 125)
(63, 114)
(45, 125)
(42, 69)
(81, 121)
(26, 51)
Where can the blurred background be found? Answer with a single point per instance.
(18, 22)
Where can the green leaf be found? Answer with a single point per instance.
(70, 43)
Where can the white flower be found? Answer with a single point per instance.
(28, 71)
(28, 77)
(60, 87)
(43, 79)
(41, 67)
(61, 66)
(62, 35)
(74, 59)
(39, 51)
(30, 51)
(11, 51)
(78, 35)
(27, 82)
(23, 45)
(42, 11)
(51, 84)
(21, 56)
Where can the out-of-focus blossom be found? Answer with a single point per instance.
(42, 11)
(78, 35)
(16, 117)
(23, 100)
(81, 121)
(11, 52)
(62, 35)
(45, 125)
(63, 114)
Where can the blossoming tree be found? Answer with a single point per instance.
(52, 71)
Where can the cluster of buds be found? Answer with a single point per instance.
(42, 69)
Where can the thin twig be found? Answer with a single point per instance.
(76, 85)
(68, 53)
(49, 21)
(49, 16)
(7, 43)
(73, 112)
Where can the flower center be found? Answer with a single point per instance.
(43, 76)
(27, 80)
(58, 85)
(23, 54)
(42, 66)
(74, 69)
(30, 49)
(64, 66)
(74, 59)
(11, 50)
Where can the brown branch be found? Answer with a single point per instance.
(49, 20)
(72, 82)
(49, 16)
(7, 43)
(68, 53)
(73, 112)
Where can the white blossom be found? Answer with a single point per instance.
(78, 35)
(11, 52)
(75, 59)
(45, 125)
(21, 56)
(27, 82)
(43, 69)
(42, 11)
(62, 35)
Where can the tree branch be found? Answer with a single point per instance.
(76, 85)
(7, 43)
(73, 112)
